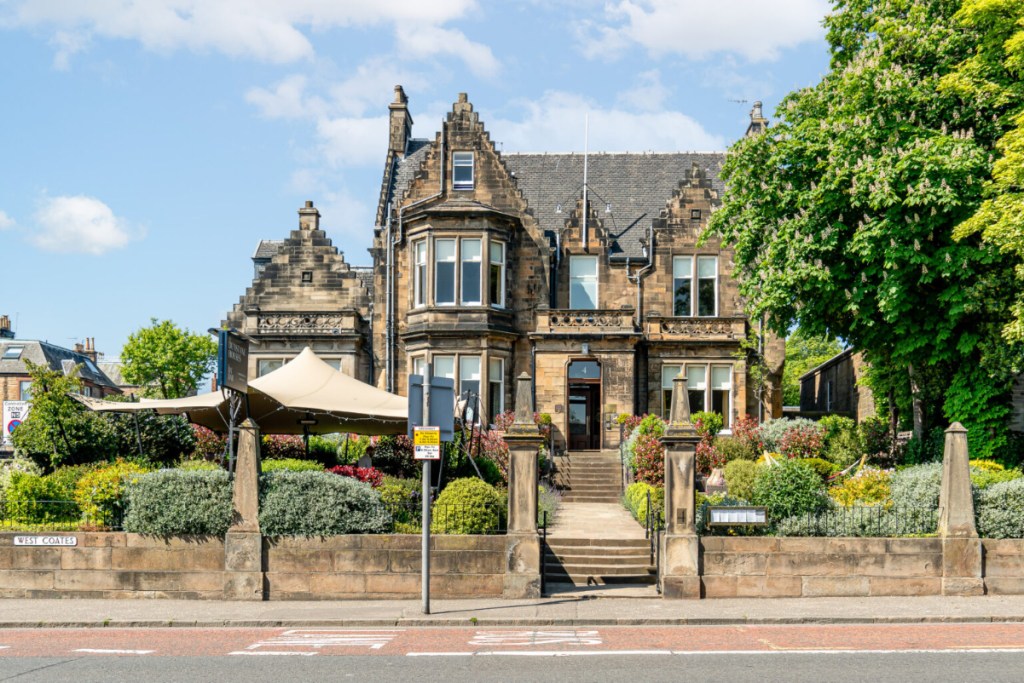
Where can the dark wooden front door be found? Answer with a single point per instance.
(584, 417)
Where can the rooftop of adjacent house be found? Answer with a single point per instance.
(834, 360)
(267, 248)
(14, 353)
(627, 190)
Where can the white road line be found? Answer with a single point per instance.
(114, 652)
(535, 638)
(684, 653)
(268, 652)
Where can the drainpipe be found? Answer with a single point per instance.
(638, 279)
(554, 275)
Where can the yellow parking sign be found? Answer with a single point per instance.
(426, 442)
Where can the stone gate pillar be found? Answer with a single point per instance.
(243, 544)
(523, 551)
(680, 549)
(961, 547)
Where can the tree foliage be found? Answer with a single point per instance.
(59, 430)
(166, 360)
(804, 352)
(842, 217)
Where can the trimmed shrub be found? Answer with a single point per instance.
(402, 498)
(790, 488)
(772, 431)
(803, 441)
(928, 449)
(65, 479)
(635, 499)
(824, 468)
(987, 465)
(324, 448)
(291, 465)
(467, 506)
(629, 423)
(100, 493)
(29, 500)
(200, 465)
(707, 424)
(367, 475)
(870, 486)
(319, 504)
(165, 438)
(179, 502)
(1001, 510)
(393, 455)
(917, 487)
(739, 479)
(731, 448)
(982, 479)
(649, 460)
(875, 436)
(652, 425)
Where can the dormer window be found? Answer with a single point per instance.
(13, 352)
(462, 170)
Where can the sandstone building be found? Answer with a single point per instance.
(584, 273)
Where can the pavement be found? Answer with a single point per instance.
(568, 610)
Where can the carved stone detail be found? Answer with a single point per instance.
(303, 323)
(699, 328)
(594, 318)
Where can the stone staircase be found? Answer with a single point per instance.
(594, 542)
(589, 477)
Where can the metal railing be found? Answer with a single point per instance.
(56, 515)
(871, 521)
(653, 527)
(543, 550)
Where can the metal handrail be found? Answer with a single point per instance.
(543, 545)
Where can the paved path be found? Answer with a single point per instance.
(607, 521)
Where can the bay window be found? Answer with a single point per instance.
(708, 388)
(444, 272)
(470, 272)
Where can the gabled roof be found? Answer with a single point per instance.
(56, 358)
(267, 248)
(626, 190)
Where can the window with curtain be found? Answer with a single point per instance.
(583, 282)
(444, 272)
(497, 275)
(471, 274)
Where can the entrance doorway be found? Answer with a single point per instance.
(584, 400)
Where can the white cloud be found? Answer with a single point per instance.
(696, 29)
(79, 224)
(556, 123)
(6, 222)
(264, 30)
(353, 141)
(648, 94)
(286, 100)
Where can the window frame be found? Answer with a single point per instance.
(420, 286)
(13, 352)
(261, 361)
(463, 262)
(680, 259)
(498, 287)
(575, 259)
(695, 280)
(495, 379)
(458, 162)
(454, 261)
(25, 390)
(709, 367)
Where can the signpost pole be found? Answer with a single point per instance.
(425, 551)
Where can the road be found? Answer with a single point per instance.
(897, 652)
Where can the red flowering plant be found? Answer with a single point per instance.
(629, 423)
(708, 457)
(493, 447)
(747, 431)
(650, 460)
(209, 445)
(369, 475)
(280, 446)
(804, 441)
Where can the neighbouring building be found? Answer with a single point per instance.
(833, 388)
(583, 271)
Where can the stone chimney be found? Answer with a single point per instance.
(758, 123)
(309, 217)
(401, 123)
(87, 349)
(5, 328)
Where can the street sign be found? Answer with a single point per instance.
(426, 443)
(45, 541)
(232, 361)
(14, 413)
(442, 405)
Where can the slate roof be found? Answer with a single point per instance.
(56, 358)
(365, 274)
(267, 248)
(636, 186)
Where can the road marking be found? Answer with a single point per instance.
(270, 652)
(114, 652)
(534, 638)
(373, 639)
(684, 653)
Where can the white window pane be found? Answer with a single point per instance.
(707, 266)
(444, 250)
(668, 375)
(721, 377)
(444, 366)
(495, 369)
(334, 363)
(583, 267)
(267, 366)
(469, 368)
(470, 250)
(419, 365)
(462, 170)
(682, 267)
(583, 295)
(421, 252)
(696, 377)
(497, 252)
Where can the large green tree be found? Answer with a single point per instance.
(842, 215)
(166, 360)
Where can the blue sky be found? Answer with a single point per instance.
(147, 145)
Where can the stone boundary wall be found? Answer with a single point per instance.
(776, 567)
(369, 567)
(124, 565)
(113, 565)
(1003, 565)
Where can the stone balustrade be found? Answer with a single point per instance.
(576, 321)
(665, 328)
(306, 323)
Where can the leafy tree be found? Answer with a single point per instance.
(59, 430)
(166, 360)
(164, 438)
(804, 352)
(842, 216)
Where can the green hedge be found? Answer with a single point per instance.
(636, 500)
(179, 502)
(291, 465)
(319, 504)
(468, 506)
(1001, 510)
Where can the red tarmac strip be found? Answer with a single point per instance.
(141, 642)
